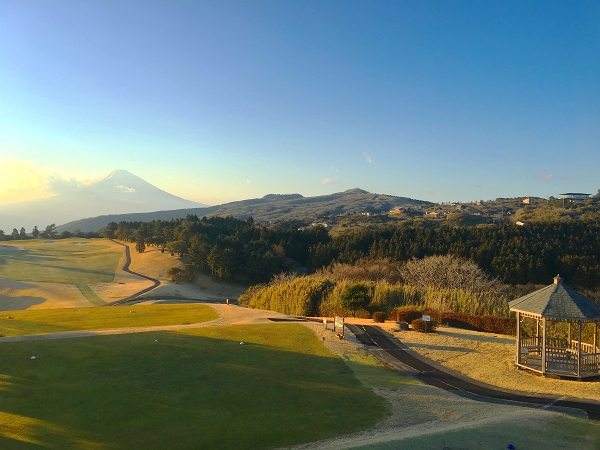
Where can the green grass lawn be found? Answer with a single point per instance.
(53, 320)
(562, 432)
(69, 261)
(186, 390)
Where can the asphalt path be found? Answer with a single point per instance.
(126, 269)
(375, 337)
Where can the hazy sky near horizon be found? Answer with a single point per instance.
(227, 100)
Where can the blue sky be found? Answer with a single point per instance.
(221, 101)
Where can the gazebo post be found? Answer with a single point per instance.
(579, 350)
(595, 337)
(543, 346)
(518, 337)
(569, 338)
(537, 331)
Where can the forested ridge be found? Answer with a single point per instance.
(231, 248)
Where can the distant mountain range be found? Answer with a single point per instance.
(271, 207)
(119, 192)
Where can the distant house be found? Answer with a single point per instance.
(527, 200)
(319, 224)
(435, 214)
(574, 196)
(396, 211)
(518, 222)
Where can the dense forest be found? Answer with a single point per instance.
(231, 248)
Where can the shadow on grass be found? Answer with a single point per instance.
(475, 337)
(443, 347)
(10, 303)
(198, 389)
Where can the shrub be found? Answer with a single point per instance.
(379, 317)
(176, 274)
(423, 326)
(435, 315)
(407, 316)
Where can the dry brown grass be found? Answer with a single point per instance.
(489, 358)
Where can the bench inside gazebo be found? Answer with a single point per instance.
(557, 332)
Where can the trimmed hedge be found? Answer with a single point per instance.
(424, 327)
(489, 324)
(379, 317)
(407, 315)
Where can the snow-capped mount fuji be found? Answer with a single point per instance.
(119, 192)
(123, 186)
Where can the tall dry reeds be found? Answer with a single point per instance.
(445, 284)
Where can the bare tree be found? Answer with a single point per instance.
(448, 272)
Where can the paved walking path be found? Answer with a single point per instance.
(126, 269)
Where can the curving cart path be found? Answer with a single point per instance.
(126, 269)
(372, 336)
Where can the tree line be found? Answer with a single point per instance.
(227, 247)
(48, 233)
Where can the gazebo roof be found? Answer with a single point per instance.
(557, 301)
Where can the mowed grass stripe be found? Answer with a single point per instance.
(66, 261)
(71, 319)
(90, 295)
(186, 390)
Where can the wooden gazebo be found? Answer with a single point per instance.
(557, 332)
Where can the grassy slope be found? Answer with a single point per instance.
(65, 261)
(69, 319)
(194, 389)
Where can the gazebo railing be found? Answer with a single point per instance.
(590, 362)
(585, 347)
(533, 342)
(561, 358)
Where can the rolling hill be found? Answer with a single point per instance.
(268, 208)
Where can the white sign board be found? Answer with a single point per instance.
(426, 318)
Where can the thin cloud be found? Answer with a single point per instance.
(247, 181)
(125, 189)
(368, 158)
(546, 176)
(326, 181)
